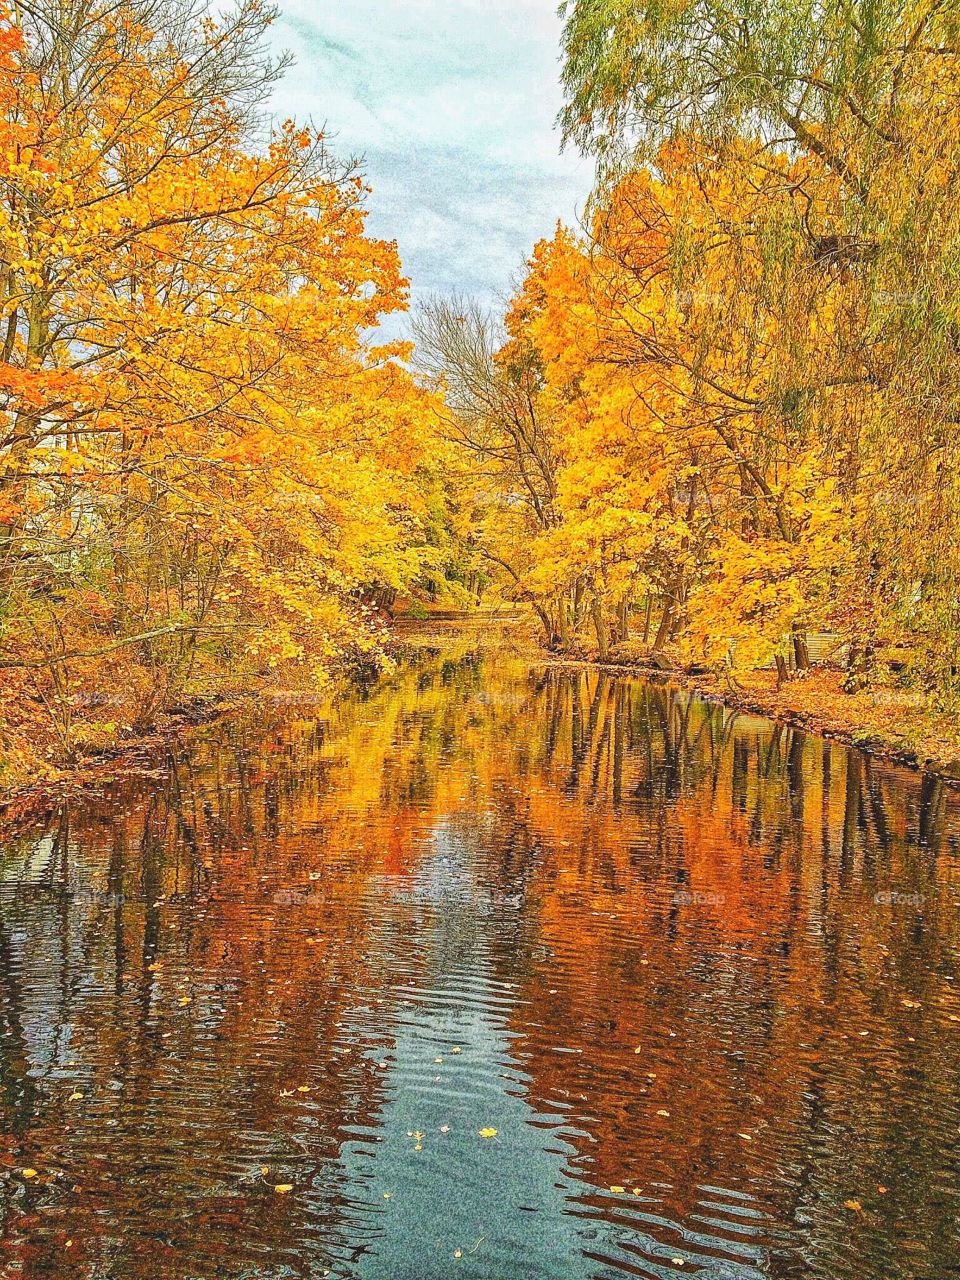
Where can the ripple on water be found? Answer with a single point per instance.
(506, 973)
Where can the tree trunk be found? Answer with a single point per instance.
(577, 608)
(623, 620)
(801, 654)
(600, 626)
(547, 624)
(563, 621)
(663, 631)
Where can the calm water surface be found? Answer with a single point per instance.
(698, 973)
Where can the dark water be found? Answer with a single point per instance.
(698, 973)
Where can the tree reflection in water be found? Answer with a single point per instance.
(698, 971)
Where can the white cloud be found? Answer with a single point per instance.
(451, 103)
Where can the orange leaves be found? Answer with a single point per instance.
(196, 425)
(35, 388)
(678, 400)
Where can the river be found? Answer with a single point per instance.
(488, 970)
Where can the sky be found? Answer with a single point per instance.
(451, 105)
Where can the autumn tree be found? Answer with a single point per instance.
(205, 466)
(860, 101)
(493, 414)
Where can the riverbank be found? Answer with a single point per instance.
(893, 724)
(47, 781)
(36, 768)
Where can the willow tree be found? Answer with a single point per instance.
(866, 94)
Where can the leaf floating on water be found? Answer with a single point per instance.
(456, 1049)
(283, 1188)
(387, 1195)
(458, 1253)
(303, 1088)
(444, 1128)
(663, 1112)
(911, 1004)
(488, 1133)
(185, 1000)
(75, 1096)
(882, 1190)
(745, 1136)
(618, 1191)
(855, 1205)
(29, 1173)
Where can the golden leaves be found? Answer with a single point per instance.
(244, 436)
(706, 420)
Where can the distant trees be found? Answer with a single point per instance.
(493, 414)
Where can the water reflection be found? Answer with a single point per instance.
(699, 973)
